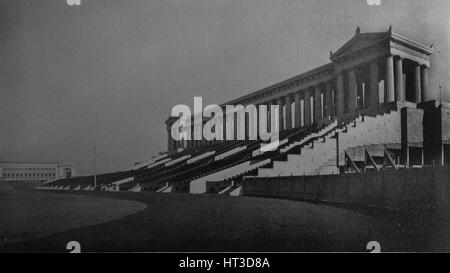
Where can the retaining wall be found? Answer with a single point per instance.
(426, 188)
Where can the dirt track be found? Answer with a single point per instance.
(178, 222)
(27, 214)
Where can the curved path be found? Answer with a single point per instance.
(179, 222)
(27, 214)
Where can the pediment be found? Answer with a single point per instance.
(360, 40)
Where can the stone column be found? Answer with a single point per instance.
(389, 84)
(194, 140)
(257, 120)
(220, 128)
(417, 84)
(193, 146)
(327, 101)
(198, 135)
(373, 94)
(227, 126)
(247, 125)
(352, 91)
(169, 141)
(188, 130)
(288, 112)
(360, 103)
(298, 115)
(224, 124)
(193, 136)
(236, 127)
(399, 79)
(426, 96)
(280, 113)
(340, 94)
(307, 110)
(200, 128)
(317, 104)
(188, 142)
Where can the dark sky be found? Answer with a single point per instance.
(109, 71)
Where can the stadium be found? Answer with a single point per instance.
(367, 112)
(359, 135)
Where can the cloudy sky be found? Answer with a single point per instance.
(108, 72)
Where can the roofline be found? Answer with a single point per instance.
(388, 35)
(358, 35)
(262, 91)
(417, 45)
(279, 84)
(30, 162)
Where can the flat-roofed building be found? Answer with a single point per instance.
(35, 171)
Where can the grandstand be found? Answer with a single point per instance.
(367, 111)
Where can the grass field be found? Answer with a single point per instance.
(180, 222)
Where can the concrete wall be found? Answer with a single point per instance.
(412, 133)
(407, 189)
(432, 133)
(179, 187)
(216, 187)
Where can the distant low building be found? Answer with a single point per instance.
(35, 171)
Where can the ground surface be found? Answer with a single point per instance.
(181, 222)
(29, 214)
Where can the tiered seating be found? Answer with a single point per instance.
(156, 177)
(87, 182)
(242, 163)
(125, 184)
(219, 167)
(223, 159)
(150, 161)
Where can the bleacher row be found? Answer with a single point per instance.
(221, 166)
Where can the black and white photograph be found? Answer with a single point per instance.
(241, 127)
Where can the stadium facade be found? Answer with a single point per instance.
(369, 111)
(368, 72)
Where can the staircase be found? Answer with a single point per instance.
(199, 185)
(317, 153)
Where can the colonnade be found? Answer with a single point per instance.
(364, 86)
